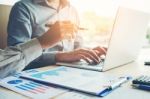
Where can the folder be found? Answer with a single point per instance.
(91, 82)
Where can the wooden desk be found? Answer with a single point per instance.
(125, 92)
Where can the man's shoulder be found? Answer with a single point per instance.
(23, 3)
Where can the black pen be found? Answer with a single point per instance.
(147, 63)
(140, 86)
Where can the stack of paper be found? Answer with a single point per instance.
(91, 82)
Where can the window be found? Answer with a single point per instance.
(98, 16)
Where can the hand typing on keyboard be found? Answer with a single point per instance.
(91, 56)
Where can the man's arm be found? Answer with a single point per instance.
(14, 59)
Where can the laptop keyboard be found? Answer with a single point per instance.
(84, 63)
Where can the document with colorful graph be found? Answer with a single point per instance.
(30, 88)
(91, 82)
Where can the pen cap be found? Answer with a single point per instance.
(118, 83)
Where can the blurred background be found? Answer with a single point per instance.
(98, 16)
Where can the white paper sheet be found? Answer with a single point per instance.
(31, 89)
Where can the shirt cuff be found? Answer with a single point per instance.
(31, 50)
(49, 57)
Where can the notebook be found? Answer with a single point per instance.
(91, 82)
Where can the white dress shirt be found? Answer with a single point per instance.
(14, 59)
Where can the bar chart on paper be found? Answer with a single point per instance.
(30, 88)
(76, 79)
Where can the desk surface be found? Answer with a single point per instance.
(126, 91)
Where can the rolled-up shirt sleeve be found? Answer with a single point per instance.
(14, 59)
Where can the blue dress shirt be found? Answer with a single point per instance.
(27, 20)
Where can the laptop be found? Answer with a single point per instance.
(128, 33)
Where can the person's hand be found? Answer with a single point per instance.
(89, 56)
(57, 32)
(64, 3)
(100, 50)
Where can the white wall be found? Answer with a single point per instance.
(8, 2)
(5, 7)
(4, 14)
